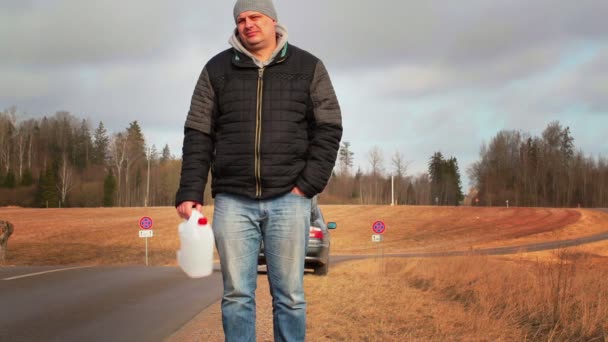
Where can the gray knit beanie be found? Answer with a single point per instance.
(263, 6)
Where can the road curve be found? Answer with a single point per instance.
(531, 247)
(133, 303)
(523, 248)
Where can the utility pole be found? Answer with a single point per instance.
(148, 182)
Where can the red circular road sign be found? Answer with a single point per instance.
(145, 222)
(378, 227)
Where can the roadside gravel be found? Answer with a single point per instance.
(207, 325)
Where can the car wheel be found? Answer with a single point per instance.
(322, 270)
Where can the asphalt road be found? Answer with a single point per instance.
(532, 247)
(100, 303)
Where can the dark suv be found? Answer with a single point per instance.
(317, 254)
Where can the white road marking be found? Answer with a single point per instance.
(51, 271)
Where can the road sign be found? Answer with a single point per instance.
(377, 238)
(146, 233)
(378, 227)
(145, 222)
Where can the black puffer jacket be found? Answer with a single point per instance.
(262, 131)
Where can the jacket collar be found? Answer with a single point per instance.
(242, 60)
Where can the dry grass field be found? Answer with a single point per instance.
(544, 296)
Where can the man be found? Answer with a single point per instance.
(265, 119)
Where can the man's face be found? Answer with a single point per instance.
(256, 30)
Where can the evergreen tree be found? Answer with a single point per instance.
(46, 195)
(153, 154)
(166, 155)
(135, 140)
(100, 145)
(455, 186)
(345, 158)
(83, 146)
(27, 179)
(139, 180)
(567, 147)
(9, 180)
(446, 187)
(109, 189)
(436, 173)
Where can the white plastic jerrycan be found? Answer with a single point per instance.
(196, 238)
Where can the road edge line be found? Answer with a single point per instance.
(44, 272)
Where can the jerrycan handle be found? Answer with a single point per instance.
(195, 216)
(192, 221)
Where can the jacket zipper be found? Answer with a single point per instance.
(258, 134)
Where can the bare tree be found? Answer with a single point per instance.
(420, 190)
(65, 178)
(399, 171)
(118, 150)
(23, 141)
(376, 160)
(399, 164)
(20, 152)
(538, 171)
(7, 130)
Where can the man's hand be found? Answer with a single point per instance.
(297, 191)
(184, 209)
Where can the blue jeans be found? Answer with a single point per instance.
(239, 225)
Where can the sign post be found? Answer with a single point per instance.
(378, 228)
(145, 223)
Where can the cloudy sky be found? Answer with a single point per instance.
(411, 76)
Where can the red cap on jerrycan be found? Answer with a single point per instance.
(202, 221)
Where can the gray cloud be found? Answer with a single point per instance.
(415, 80)
(412, 75)
(74, 32)
(588, 85)
(450, 32)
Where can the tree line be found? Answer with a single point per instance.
(390, 184)
(545, 171)
(60, 161)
